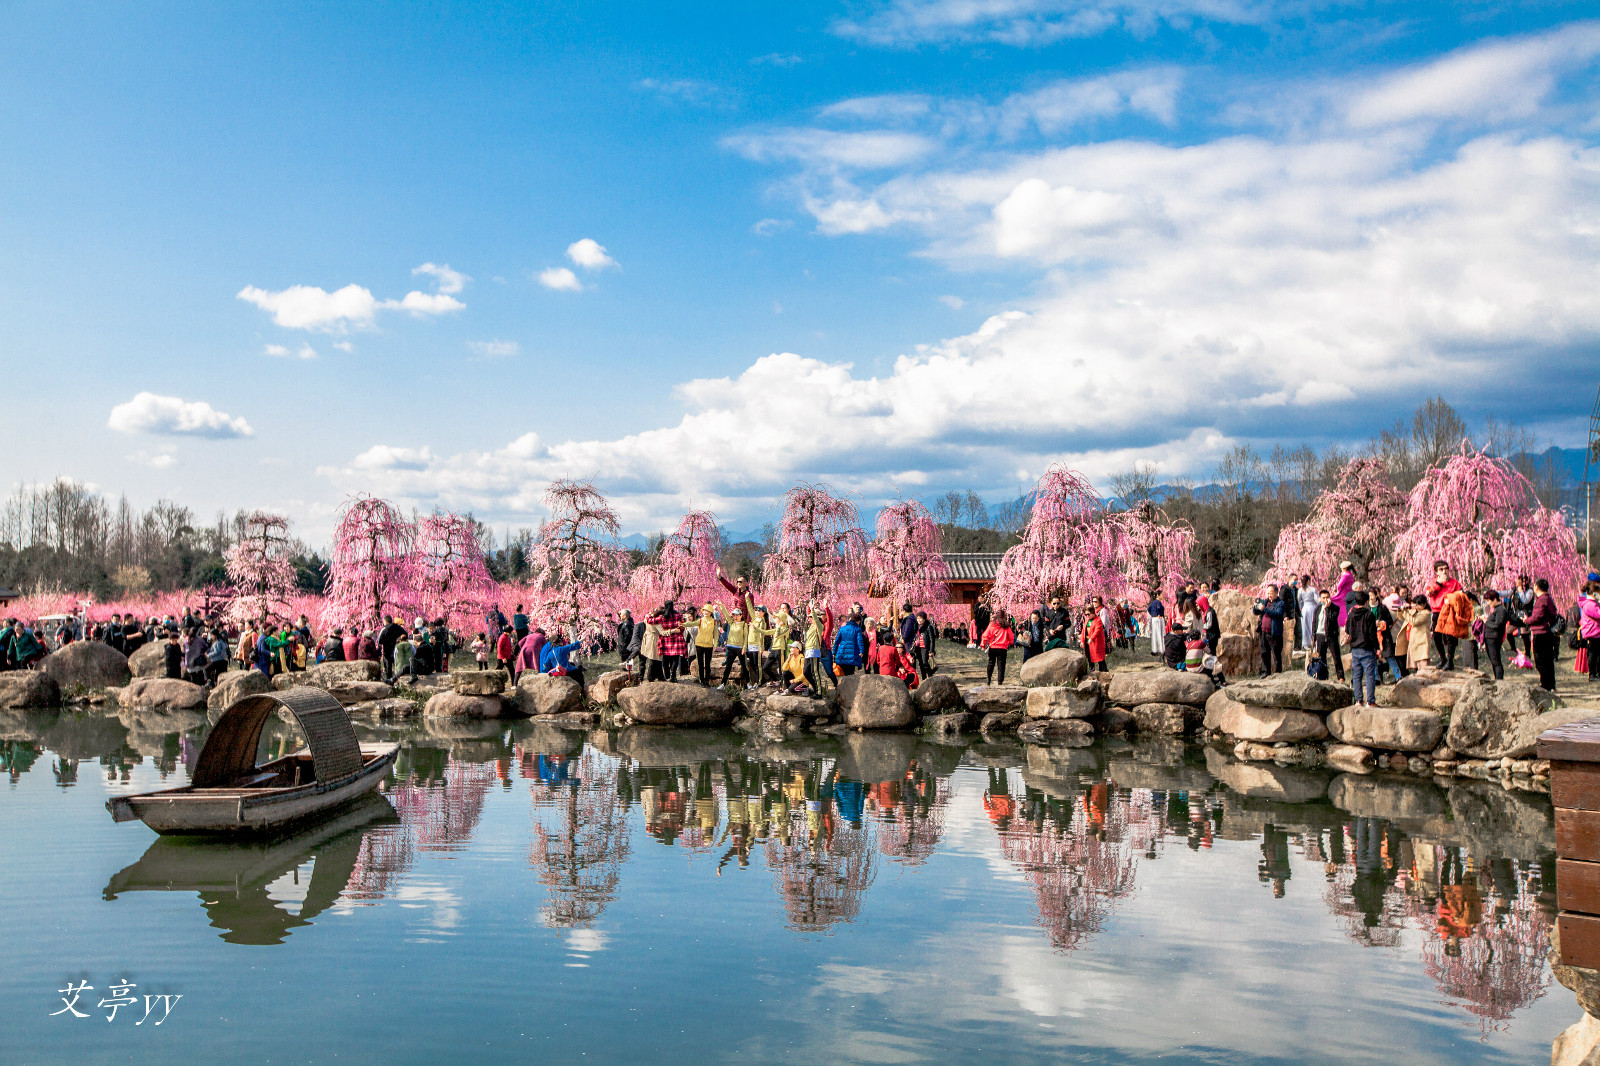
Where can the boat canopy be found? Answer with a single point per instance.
(230, 750)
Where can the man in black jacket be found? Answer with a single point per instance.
(1498, 617)
(1269, 609)
(388, 637)
(1362, 626)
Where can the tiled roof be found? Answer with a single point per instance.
(972, 566)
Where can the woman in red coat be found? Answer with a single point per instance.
(1094, 637)
(998, 638)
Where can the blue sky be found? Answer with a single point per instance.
(271, 256)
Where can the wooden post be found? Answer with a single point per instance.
(1574, 754)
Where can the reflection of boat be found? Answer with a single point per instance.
(232, 878)
(229, 793)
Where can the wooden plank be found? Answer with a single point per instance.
(1578, 834)
(1578, 886)
(1580, 940)
(1575, 785)
(1574, 742)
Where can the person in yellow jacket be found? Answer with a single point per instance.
(705, 642)
(795, 665)
(758, 632)
(733, 646)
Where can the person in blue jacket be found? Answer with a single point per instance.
(1269, 609)
(557, 656)
(850, 646)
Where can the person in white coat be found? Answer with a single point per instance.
(1308, 615)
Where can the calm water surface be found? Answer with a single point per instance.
(523, 893)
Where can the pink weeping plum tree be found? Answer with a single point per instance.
(1152, 551)
(1357, 519)
(1479, 514)
(581, 571)
(1068, 547)
(451, 576)
(905, 561)
(821, 549)
(260, 573)
(685, 570)
(371, 565)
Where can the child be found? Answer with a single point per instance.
(795, 665)
(480, 651)
(174, 654)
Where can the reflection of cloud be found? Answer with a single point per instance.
(439, 900)
(856, 980)
(587, 941)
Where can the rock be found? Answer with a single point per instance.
(996, 723)
(324, 674)
(235, 686)
(664, 703)
(163, 693)
(996, 699)
(1444, 753)
(1114, 720)
(541, 694)
(1059, 666)
(607, 685)
(1294, 689)
(1238, 656)
(1266, 780)
(480, 682)
(1131, 688)
(948, 726)
(1349, 757)
(845, 690)
(652, 746)
(773, 726)
(798, 706)
(452, 704)
(1062, 701)
(424, 683)
(879, 702)
(395, 707)
(1427, 688)
(1580, 980)
(1268, 724)
(1166, 719)
(28, 688)
(348, 692)
(1389, 728)
(90, 664)
(1067, 732)
(937, 694)
(1500, 720)
(874, 757)
(1578, 1044)
(1393, 798)
(580, 720)
(150, 660)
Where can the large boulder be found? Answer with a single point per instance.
(1578, 1044)
(28, 688)
(150, 660)
(1351, 758)
(1062, 732)
(325, 674)
(947, 727)
(396, 707)
(1295, 689)
(451, 704)
(538, 694)
(1495, 720)
(88, 663)
(879, 702)
(1233, 612)
(1427, 688)
(874, 757)
(1388, 728)
(353, 692)
(1059, 666)
(1267, 724)
(480, 682)
(938, 694)
(795, 706)
(666, 703)
(1238, 656)
(235, 686)
(995, 699)
(163, 693)
(1063, 701)
(605, 687)
(1130, 688)
(1166, 719)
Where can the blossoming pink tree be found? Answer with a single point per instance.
(581, 571)
(685, 570)
(1152, 551)
(259, 570)
(1479, 514)
(451, 577)
(905, 562)
(1357, 519)
(821, 549)
(371, 569)
(1068, 548)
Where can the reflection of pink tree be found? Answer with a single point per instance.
(1501, 967)
(821, 874)
(260, 572)
(909, 831)
(370, 569)
(581, 570)
(580, 842)
(1357, 519)
(1068, 548)
(452, 578)
(906, 562)
(1478, 513)
(1152, 550)
(821, 548)
(686, 566)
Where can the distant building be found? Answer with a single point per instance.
(7, 595)
(971, 575)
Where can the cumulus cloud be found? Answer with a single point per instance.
(590, 254)
(174, 417)
(445, 280)
(560, 279)
(305, 351)
(310, 307)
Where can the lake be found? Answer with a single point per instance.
(521, 893)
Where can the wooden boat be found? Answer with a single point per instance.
(229, 794)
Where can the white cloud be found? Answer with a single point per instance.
(768, 226)
(344, 346)
(688, 90)
(309, 307)
(156, 461)
(560, 279)
(422, 304)
(907, 23)
(305, 351)
(495, 349)
(171, 416)
(445, 280)
(870, 150)
(776, 59)
(590, 254)
(955, 303)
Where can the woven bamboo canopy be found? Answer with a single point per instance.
(230, 750)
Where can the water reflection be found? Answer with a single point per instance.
(580, 835)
